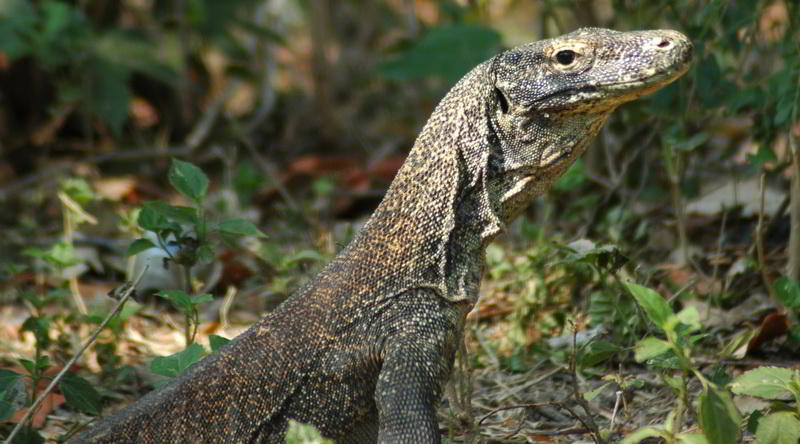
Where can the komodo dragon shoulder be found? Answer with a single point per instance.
(362, 351)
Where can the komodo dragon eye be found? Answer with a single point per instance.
(565, 57)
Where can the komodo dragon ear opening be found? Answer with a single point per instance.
(501, 99)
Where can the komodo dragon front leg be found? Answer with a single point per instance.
(362, 351)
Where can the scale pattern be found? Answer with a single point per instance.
(363, 350)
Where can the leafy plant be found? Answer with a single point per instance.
(186, 236)
(717, 415)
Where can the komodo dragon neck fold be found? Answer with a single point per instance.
(362, 351)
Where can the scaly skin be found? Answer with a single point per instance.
(363, 350)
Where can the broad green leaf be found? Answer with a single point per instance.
(596, 352)
(718, 417)
(12, 390)
(447, 51)
(40, 327)
(80, 394)
(656, 308)
(177, 213)
(27, 435)
(152, 220)
(778, 428)
(572, 179)
(692, 438)
(736, 347)
(17, 18)
(140, 245)
(41, 364)
(108, 94)
(303, 255)
(300, 433)
(764, 382)
(239, 227)
(217, 342)
(689, 317)
(645, 432)
(79, 190)
(205, 254)
(649, 348)
(201, 298)
(179, 299)
(173, 365)
(133, 52)
(590, 395)
(190, 180)
(788, 291)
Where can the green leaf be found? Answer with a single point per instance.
(205, 254)
(17, 19)
(778, 428)
(217, 342)
(323, 186)
(179, 299)
(12, 393)
(190, 180)
(590, 395)
(572, 179)
(763, 155)
(79, 190)
(201, 298)
(656, 308)
(788, 292)
(692, 438)
(131, 51)
(690, 317)
(239, 227)
(764, 382)
(596, 352)
(302, 255)
(173, 365)
(447, 51)
(27, 435)
(61, 254)
(139, 245)
(649, 348)
(300, 433)
(80, 394)
(176, 213)
(718, 416)
(645, 432)
(692, 142)
(40, 327)
(108, 94)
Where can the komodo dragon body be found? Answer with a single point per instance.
(363, 350)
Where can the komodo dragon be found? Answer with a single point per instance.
(362, 351)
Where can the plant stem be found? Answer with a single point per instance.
(117, 308)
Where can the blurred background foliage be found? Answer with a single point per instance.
(305, 109)
(301, 111)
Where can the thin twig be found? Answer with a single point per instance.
(762, 263)
(573, 371)
(117, 308)
(519, 406)
(267, 167)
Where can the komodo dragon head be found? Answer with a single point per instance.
(551, 97)
(502, 136)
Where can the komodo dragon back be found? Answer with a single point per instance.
(362, 351)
